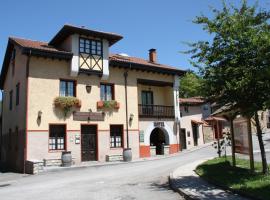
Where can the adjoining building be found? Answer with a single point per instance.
(71, 94)
(198, 126)
(194, 129)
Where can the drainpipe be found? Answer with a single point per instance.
(126, 75)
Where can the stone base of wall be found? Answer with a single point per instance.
(52, 162)
(33, 166)
(166, 150)
(110, 158)
(153, 151)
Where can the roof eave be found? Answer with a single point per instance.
(69, 30)
(44, 53)
(146, 67)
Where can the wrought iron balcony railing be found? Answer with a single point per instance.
(156, 111)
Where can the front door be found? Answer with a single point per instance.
(183, 142)
(89, 142)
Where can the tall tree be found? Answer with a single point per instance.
(235, 64)
(190, 85)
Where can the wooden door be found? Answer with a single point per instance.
(183, 140)
(89, 142)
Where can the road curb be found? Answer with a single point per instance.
(122, 162)
(186, 195)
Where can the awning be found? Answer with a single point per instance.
(212, 118)
(197, 122)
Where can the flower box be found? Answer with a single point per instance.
(108, 104)
(67, 103)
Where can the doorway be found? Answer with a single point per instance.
(195, 133)
(89, 142)
(159, 138)
(183, 139)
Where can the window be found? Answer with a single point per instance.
(147, 98)
(205, 107)
(116, 133)
(67, 88)
(57, 137)
(106, 92)
(17, 93)
(10, 99)
(13, 55)
(92, 47)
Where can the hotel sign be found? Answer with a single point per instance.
(159, 124)
(88, 116)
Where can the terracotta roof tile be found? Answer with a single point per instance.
(135, 60)
(44, 47)
(32, 44)
(192, 100)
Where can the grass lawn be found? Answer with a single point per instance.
(240, 179)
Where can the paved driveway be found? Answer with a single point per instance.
(129, 181)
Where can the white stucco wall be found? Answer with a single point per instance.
(194, 113)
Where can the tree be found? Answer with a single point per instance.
(235, 64)
(190, 85)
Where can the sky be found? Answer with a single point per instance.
(161, 24)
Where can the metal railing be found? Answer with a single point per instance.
(156, 111)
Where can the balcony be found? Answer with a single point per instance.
(156, 111)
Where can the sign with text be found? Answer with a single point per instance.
(159, 124)
(240, 127)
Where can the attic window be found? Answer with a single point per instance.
(91, 47)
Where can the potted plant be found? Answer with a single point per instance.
(67, 103)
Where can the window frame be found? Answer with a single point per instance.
(112, 91)
(66, 87)
(121, 134)
(56, 139)
(10, 99)
(146, 93)
(90, 48)
(17, 94)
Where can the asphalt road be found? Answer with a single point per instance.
(128, 181)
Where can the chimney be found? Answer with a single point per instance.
(152, 55)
